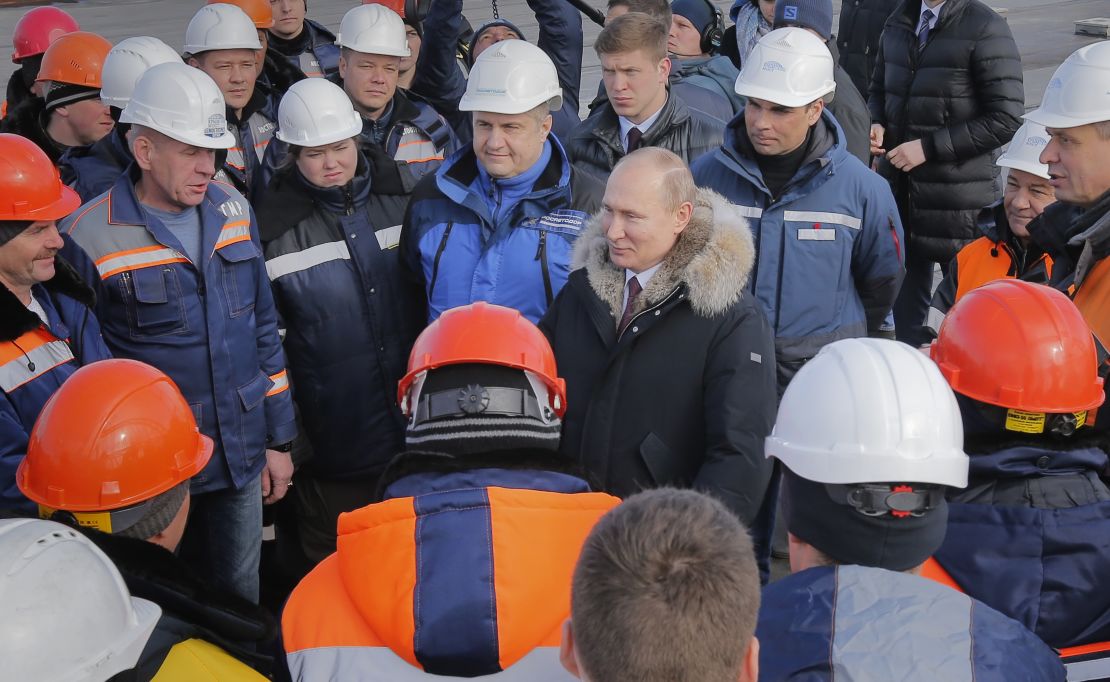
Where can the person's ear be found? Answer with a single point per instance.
(749, 671)
(815, 111)
(142, 149)
(665, 69)
(567, 656)
(193, 62)
(683, 214)
(545, 126)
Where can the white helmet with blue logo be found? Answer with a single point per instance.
(183, 103)
(1079, 92)
(790, 67)
(1024, 152)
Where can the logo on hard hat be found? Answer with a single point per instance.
(1055, 83)
(773, 66)
(1036, 142)
(217, 126)
(790, 12)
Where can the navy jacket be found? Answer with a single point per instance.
(210, 326)
(856, 624)
(457, 253)
(348, 316)
(829, 258)
(91, 170)
(314, 52)
(35, 360)
(1030, 536)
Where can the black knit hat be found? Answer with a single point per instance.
(812, 14)
(819, 515)
(57, 94)
(480, 409)
(159, 514)
(10, 229)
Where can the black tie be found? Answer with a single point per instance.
(634, 136)
(923, 29)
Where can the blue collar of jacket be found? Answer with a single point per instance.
(456, 179)
(502, 195)
(1019, 461)
(340, 200)
(426, 483)
(807, 178)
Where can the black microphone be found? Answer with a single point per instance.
(30, 366)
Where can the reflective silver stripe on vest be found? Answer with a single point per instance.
(866, 647)
(1097, 669)
(46, 357)
(389, 237)
(230, 233)
(289, 263)
(416, 147)
(113, 264)
(310, 65)
(263, 129)
(380, 664)
(821, 217)
(749, 211)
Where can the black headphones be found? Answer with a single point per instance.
(714, 33)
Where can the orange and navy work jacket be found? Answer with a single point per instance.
(35, 359)
(468, 579)
(211, 326)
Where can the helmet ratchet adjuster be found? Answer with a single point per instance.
(877, 499)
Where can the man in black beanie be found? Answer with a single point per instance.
(870, 436)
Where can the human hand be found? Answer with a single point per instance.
(907, 156)
(877, 134)
(277, 476)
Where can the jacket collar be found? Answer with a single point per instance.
(608, 129)
(16, 319)
(712, 258)
(1072, 234)
(911, 13)
(827, 147)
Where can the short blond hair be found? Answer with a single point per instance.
(631, 32)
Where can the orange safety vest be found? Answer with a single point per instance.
(1091, 658)
(985, 260)
(1092, 298)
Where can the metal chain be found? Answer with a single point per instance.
(496, 14)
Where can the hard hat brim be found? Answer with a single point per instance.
(822, 466)
(499, 105)
(1040, 170)
(66, 203)
(777, 96)
(1049, 119)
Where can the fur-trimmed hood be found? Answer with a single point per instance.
(17, 319)
(713, 258)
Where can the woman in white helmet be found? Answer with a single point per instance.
(1005, 249)
(331, 255)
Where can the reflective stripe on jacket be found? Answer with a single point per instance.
(410, 594)
(211, 327)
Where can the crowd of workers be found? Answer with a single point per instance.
(389, 291)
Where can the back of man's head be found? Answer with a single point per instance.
(660, 9)
(666, 588)
(631, 32)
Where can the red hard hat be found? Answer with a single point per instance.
(259, 11)
(76, 58)
(1021, 346)
(485, 334)
(117, 433)
(37, 29)
(30, 187)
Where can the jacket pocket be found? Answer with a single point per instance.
(252, 393)
(661, 462)
(153, 300)
(239, 276)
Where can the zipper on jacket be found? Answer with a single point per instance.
(348, 200)
(439, 254)
(541, 256)
(645, 311)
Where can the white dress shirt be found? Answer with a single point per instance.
(934, 10)
(627, 125)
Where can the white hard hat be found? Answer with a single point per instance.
(221, 27)
(373, 29)
(788, 66)
(512, 77)
(316, 112)
(183, 103)
(1079, 92)
(1024, 152)
(65, 612)
(870, 411)
(126, 63)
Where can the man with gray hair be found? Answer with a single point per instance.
(666, 588)
(668, 359)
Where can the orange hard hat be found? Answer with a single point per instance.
(75, 58)
(485, 334)
(117, 433)
(397, 6)
(30, 187)
(37, 29)
(258, 10)
(1021, 346)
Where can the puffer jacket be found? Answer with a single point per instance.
(830, 247)
(16, 92)
(314, 52)
(1030, 535)
(36, 359)
(858, 624)
(331, 255)
(861, 25)
(457, 251)
(93, 169)
(210, 326)
(685, 395)
(596, 143)
(962, 96)
(850, 110)
(998, 254)
(409, 595)
(29, 120)
(715, 73)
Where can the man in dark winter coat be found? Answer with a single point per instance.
(641, 111)
(848, 106)
(668, 361)
(861, 25)
(304, 43)
(946, 94)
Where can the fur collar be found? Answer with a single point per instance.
(713, 258)
(16, 319)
